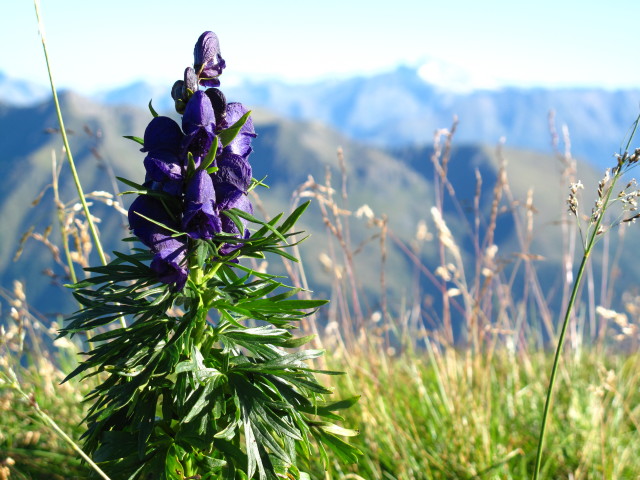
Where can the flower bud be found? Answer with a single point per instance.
(178, 95)
(219, 103)
(207, 61)
(190, 81)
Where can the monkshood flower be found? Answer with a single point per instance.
(199, 126)
(163, 142)
(200, 219)
(219, 103)
(148, 218)
(183, 89)
(168, 262)
(241, 144)
(207, 61)
(233, 176)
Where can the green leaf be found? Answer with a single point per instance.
(297, 342)
(210, 463)
(200, 403)
(151, 109)
(229, 431)
(211, 155)
(173, 468)
(129, 182)
(346, 452)
(232, 214)
(191, 165)
(341, 404)
(135, 139)
(227, 135)
(252, 219)
(293, 218)
(336, 430)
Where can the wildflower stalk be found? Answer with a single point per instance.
(625, 162)
(65, 141)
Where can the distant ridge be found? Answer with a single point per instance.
(403, 107)
(22, 93)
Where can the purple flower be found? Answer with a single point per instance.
(207, 61)
(200, 218)
(178, 94)
(233, 176)
(183, 89)
(168, 262)
(219, 103)
(199, 126)
(241, 145)
(170, 253)
(162, 142)
(190, 80)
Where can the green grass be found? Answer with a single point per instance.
(429, 414)
(455, 415)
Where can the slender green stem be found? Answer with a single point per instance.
(556, 363)
(565, 323)
(65, 141)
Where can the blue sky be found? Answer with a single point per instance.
(102, 44)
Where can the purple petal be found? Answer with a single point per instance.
(169, 263)
(240, 201)
(190, 79)
(162, 166)
(234, 172)
(198, 114)
(162, 134)
(219, 103)
(150, 233)
(241, 144)
(200, 219)
(198, 123)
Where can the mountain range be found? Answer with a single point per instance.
(405, 106)
(402, 107)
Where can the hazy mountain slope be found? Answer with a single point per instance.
(404, 107)
(400, 107)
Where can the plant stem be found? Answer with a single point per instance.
(556, 363)
(65, 141)
(574, 293)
